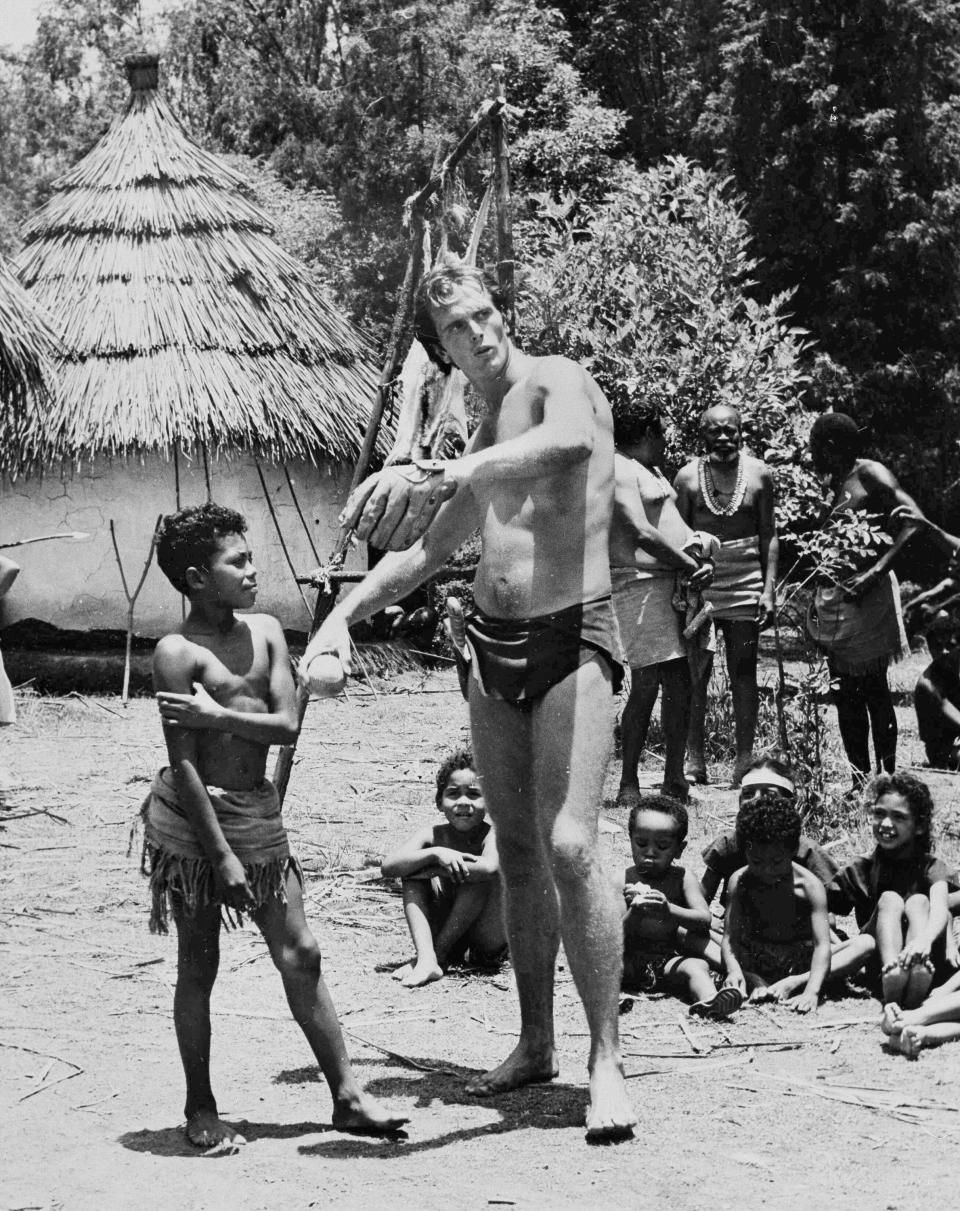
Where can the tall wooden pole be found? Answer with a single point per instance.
(490, 112)
(501, 156)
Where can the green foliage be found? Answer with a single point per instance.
(650, 290)
(838, 124)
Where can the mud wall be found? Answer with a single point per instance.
(77, 586)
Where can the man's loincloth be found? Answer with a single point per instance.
(862, 636)
(179, 867)
(773, 961)
(520, 659)
(737, 580)
(649, 625)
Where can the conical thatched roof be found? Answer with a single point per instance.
(27, 347)
(183, 321)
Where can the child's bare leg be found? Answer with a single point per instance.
(847, 958)
(416, 909)
(198, 958)
(694, 976)
(488, 936)
(468, 901)
(702, 946)
(296, 955)
(919, 975)
(889, 932)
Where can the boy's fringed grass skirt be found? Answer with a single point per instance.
(180, 870)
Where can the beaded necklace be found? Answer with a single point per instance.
(706, 490)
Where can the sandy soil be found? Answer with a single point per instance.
(770, 1110)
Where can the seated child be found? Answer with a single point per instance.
(776, 923)
(214, 836)
(451, 885)
(898, 894)
(934, 1022)
(724, 855)
(936, 697)
(661, 897)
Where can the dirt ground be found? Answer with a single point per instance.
(771, 1110)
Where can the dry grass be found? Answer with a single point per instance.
(183, 322)
(27, 345)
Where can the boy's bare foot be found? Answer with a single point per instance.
(610, 1116)
(891, 1019)
(912, 1041)
(421, 973)
(363, 1115)
(205, 1129)
(523, 1066)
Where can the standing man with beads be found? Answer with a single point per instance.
(730, 494)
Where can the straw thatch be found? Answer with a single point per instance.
(27, 346)
(184, 323)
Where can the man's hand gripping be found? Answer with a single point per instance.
(392, 508)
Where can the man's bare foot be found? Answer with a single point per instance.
(891, 1019)
(912, 1041)
(421, 973)
(402, 971)
(363, 1115)
(610, 1116)
(205, 1129)
(523, 1066)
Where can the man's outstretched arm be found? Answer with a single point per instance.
(396, 575)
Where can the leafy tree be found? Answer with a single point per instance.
(838, 123)
(651, 292)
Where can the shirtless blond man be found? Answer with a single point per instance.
(215, 839)
(730, 494)
(537, 480)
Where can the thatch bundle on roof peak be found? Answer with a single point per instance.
(184, 322)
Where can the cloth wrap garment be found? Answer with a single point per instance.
(737, 580)
(178, 866)
(861, 636)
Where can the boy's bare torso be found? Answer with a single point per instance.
(645, 925)
(544, 538)
(234, 669)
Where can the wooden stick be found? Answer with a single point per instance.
(306, 528)
(501, 159)
(132, 599)
(276, 526)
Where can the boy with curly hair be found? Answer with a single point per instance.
(776, 922)
(450, 878)
(214, 837)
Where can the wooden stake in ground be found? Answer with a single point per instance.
(132, 599)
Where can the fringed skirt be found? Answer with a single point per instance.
(178, 867)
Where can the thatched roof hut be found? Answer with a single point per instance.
(27, 347)
(184, 323)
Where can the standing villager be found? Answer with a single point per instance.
(650, 544)
(858, 623)
(730, 494)
(537, 480)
